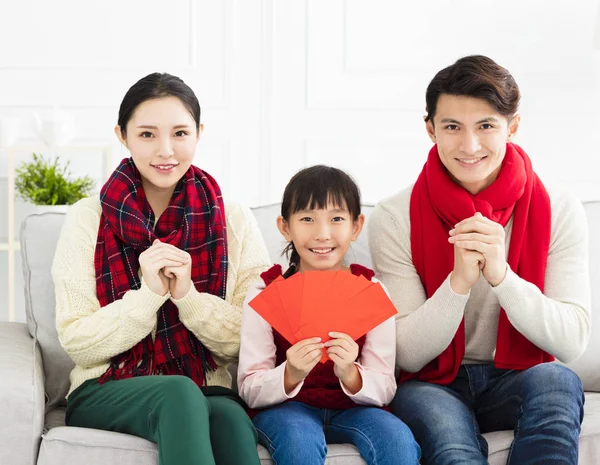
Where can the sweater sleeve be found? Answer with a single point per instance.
(90, 334)
(424, 327)
(557, 320)
(214, 321)
(376, 366)
(260, 382)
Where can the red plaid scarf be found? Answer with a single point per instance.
(194, 221)
(437, 203)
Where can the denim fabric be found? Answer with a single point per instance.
(297, 434)
(543, 404)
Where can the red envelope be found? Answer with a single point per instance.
(315, 303)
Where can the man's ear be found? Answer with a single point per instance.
(284, 228)
(430, 128)
(358, 226)
(513, 127)
(120, 136)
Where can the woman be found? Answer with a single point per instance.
(150, 280)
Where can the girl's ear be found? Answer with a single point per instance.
(284, 228)
(357, 226)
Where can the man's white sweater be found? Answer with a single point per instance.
(557, 320)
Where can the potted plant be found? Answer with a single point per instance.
(46, 182)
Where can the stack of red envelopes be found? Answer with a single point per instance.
(314, 303)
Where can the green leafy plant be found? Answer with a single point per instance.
(46, 182)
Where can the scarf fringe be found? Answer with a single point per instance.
(189, 365)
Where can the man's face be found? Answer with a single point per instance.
(471, 138)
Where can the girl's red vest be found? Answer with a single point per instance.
(321, 388)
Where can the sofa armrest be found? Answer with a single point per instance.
(21, 395)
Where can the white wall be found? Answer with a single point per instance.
(288, 83)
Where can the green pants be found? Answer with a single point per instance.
(190, 428)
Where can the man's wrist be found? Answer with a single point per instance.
(497, 281)
(458, 285)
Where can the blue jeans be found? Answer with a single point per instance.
(543, 404)
(297, 434)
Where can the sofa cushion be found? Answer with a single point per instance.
(588, 365)
(39, 235)
(67, 444)
(72, 445)
(21, 395)
(62, 444)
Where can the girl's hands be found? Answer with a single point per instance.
(155, 260)
(343, 351)
(302, 357)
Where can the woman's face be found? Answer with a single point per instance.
(471, 139)
(161, 137)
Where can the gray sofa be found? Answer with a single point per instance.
(34, 370)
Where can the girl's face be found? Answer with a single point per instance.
(161, 136)
(321, 237)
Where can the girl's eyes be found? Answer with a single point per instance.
(308, 219)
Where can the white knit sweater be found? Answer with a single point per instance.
(92, 335)
(557, 320)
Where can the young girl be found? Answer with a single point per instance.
(308, 404)
(150, 279)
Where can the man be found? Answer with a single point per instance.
(488, 271)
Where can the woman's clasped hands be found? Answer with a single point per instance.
(165, 268)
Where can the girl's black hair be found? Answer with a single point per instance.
(313, 188)
(157, 85)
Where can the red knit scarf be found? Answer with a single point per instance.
(194, 221)
(437, 203)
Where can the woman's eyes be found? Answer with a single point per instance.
(181, 133)
(146, 134)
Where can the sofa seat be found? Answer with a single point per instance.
(34, 368)
(63, 445)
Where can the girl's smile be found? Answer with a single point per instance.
(321, 236)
